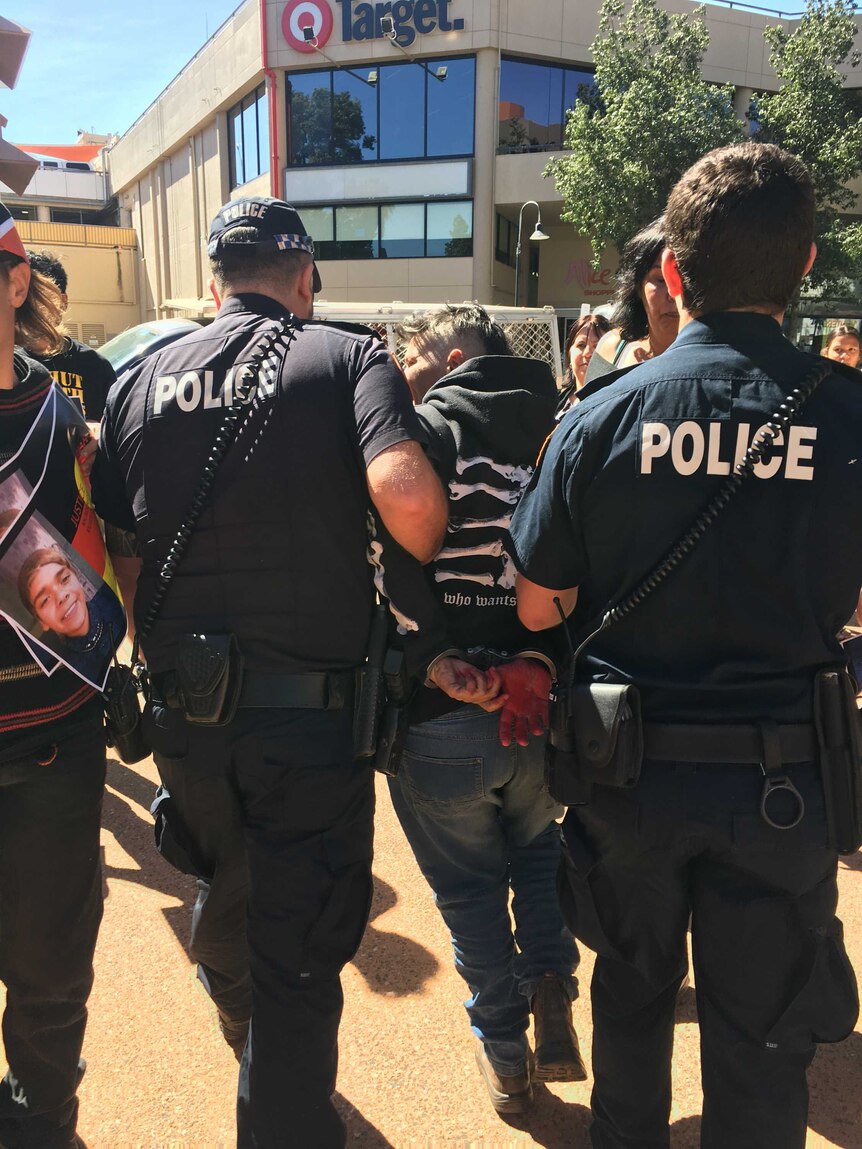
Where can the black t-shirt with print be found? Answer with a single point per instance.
(279, 556)
(84, 374)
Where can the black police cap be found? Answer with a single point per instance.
(276, 222)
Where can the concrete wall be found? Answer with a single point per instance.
(102, 266)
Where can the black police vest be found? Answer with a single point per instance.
(278, 556)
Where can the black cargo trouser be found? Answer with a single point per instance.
(50, 910)
(772, 976)
(281, 819)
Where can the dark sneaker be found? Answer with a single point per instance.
(558, 1056)
(509, 1094)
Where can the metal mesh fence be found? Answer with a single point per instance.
(533, 335)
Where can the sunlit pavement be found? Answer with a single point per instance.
(160, 1077)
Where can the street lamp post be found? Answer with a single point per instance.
(537, 235)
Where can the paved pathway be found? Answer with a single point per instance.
(160, 1076)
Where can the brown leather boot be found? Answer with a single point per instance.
(558, 1056)
(509, 1094)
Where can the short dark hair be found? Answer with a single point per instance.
(450, 324)
(639, 255)
(50, 266)
(740, 223)
(238, 261)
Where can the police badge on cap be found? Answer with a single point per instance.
(276, 222)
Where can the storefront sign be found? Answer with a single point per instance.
(596, 283)
(362, 21)
(301, 14)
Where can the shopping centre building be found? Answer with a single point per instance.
(410, 135)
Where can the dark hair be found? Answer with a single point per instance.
(639, 255)
(740, 223)
(595, 322)
(838, 333)
(49, 265)
(238, 262)
(39, 320)
(448, 325)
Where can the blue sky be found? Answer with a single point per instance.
(97, 64)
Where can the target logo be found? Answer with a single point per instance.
(299, 15)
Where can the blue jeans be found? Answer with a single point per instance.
(480, 820)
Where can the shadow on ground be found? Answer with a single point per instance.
(392, 964)
(361, 1134)
(133, 832)
(836, 1098)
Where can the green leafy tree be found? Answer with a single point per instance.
(649, 116)
(817, 117)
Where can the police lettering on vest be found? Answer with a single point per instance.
(714, 448)
(193, 389)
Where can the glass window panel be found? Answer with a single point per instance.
(402, 230)
(450, 108)
(309, 117)
(251, 168)
(553, 134)
(577, 80)
(402, 112)
(354, 120)
(319, 222)
(356, 232)
(234, 122)
(450, 228)
(525, 91)
(263, 130)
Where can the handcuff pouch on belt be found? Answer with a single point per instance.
(595, 735)
(121, 700)
(836, 719)
(207, 680)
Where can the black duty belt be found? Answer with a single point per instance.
(733, 744)
(313, 690)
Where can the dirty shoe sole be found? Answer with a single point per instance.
(564, 1067)
(507, 1103)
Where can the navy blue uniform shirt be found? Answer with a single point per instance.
(278, 557)
(739, 629)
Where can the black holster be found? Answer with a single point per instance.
(207, 681)
(395, 719)
(836, 719)
(122, 702)
(595, 737)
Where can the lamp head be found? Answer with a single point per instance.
(387, 27)
(308, 34)
(373, 76)
(539, 233)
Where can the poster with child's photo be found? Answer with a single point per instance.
(57, 589)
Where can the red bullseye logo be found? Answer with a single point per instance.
(300, 15)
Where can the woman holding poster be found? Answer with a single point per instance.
(52, 754)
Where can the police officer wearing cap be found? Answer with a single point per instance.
(732, 653)
(270, 807)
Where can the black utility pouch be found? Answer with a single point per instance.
(395, 719)
(836, 719)
(209, 669)
(122, 703)
(595, 737)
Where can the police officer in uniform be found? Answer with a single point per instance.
(271, 805)
(724, 654)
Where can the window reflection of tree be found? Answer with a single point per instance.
(461, 242)
(328, 128)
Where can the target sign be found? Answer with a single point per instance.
(301, 14)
